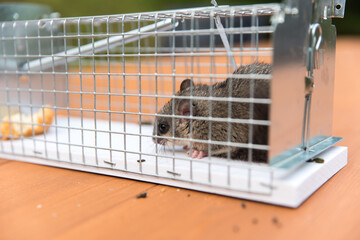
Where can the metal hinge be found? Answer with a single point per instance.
(333, 8)
(315, 34)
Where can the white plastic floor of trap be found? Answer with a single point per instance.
(75, 141)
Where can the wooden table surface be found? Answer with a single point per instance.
(39, 202)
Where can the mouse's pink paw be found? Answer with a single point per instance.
(197, 154)
(201, 155)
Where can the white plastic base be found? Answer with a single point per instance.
(231, 178)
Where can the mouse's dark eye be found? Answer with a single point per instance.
(163, 128)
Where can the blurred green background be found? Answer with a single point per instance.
(71, 8)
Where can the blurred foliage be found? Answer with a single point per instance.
(72, 8)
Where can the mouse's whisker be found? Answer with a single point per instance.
(154, 149)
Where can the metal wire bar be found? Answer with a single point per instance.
(116, 39)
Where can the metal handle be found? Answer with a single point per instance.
(98, 46)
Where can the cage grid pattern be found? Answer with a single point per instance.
(107, 77)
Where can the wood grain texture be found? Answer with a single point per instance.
(39, 202)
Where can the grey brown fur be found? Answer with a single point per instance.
(239, 133)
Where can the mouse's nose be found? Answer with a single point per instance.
(158, 140)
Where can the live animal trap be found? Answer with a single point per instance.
(108, 87)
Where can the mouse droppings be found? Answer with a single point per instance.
(317, 160)
(276, 221)
(142, 195)
(146, 123)
(243, 205)
(188, 195)
(255, 221)
(235, 228)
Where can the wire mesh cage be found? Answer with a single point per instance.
(184, 97)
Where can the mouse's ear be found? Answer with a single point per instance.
(186, 83)
(184, 107)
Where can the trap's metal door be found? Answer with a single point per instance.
(301, 112)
